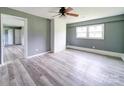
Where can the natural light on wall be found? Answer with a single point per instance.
(90, 32)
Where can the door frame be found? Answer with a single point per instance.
(25, 36)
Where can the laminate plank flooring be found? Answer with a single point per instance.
(66, 68)
(13, 52)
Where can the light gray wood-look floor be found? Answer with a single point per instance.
(13, 52)
(69, 67)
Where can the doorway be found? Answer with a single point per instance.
(13, 38)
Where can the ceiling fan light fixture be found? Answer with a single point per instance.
(66, 11)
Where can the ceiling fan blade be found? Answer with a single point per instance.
(68, 9)
(73, 14)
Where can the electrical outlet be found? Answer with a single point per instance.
(93, 47)
(36, 49)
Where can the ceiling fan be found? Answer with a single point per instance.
(65, 11)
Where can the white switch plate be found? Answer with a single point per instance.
(93, 47)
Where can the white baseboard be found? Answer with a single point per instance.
(108, 53)
(38, 54)
(122, 58)
(28, 57)
(8, 62)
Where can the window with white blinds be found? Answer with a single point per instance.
(90, 32)
(81, 32)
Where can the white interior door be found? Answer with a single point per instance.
(10, 37)
(5, 37)
(18, 36)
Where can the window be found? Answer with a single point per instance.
(81, 32)
(90, 32)
(96, 31)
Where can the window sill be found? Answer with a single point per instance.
(91, 38)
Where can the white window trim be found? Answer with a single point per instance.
(76, 32)
(102, 31)
(103, 36)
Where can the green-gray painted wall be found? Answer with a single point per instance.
(38, 31)
(114, 34)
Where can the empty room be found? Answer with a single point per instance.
(62, 46)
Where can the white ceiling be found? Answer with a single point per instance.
(86, 13)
